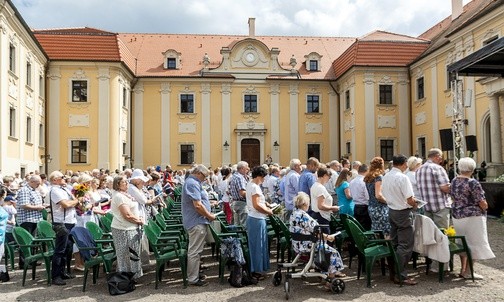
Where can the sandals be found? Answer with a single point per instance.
(258, 276)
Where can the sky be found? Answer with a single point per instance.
(333, 18)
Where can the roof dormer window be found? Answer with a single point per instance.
(312, 61)
(171, 59)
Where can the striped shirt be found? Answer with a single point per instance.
(429, 177)
(237, 183)
(28, 196)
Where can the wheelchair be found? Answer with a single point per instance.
(310, 267)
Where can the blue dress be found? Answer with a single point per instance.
(346, 204)
(378, 212)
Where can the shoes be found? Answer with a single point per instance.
(406, 282)
(258, 276)
(78, 268)
(202, 276)
(199, 283)
(67, 276)
(58, 281)
(4, 276)
(468, 276)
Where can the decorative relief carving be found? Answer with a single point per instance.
(187, 128)
(139, 88)
(3, 26)
(29, 101)
(250, 90)
(54, 74)
(124, 123)
(385, 80)
(13, 89)
(41, 109)
(314, 116)
(250, 116)
(79, 74)
(226, 88)
(350, 82)
(103, 74)
(274, 89)
(403, 79)
(313, 127)
(449, 110)
(419, 104)
(348, 125)
(293, 89)
(420, 118)
(78, 120)
(187, 116)
(387, 108)
(369, 78)
(165, 88)
(314, 90)
(205, 88)
(386, 121)
(418, 72)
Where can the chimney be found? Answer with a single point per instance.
(251, 23)
(457, 9)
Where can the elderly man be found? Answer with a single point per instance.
(360, 197)
(63, 204)
(29, 208)
(196, 215)
(291, 186)
(355, 169)
(434, 187)
(398, 192)
(237, 188)
(330, 184)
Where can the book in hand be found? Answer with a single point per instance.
(420, 203)
(274, 205)
(219, 213)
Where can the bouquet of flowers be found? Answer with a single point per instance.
(85, 205)
(450, 231)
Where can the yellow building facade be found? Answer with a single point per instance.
(137, 100)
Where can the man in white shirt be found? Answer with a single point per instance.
(355, 169)
(330, 184)
(360, 197)
(398, 192)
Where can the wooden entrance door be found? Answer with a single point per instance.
(250, 152)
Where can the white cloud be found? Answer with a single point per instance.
(293, 17)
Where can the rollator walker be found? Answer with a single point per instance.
(311, 267)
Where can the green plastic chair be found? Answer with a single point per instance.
(45, 230)
(44, 214)
(106, 223)
(282, 240)
(372, 250)
(93, 263)
(33, 251)
(164, 255)
(285, 245)
(103, 240)
(10, 250)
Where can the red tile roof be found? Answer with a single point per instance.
(380, 48)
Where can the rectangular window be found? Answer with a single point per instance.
(314, 150)
(171, 63)
(449, 78)
(187, 103)
(28, 74)
(347, 99)
(420, 88)
(125, 98)
(41, 86)
(12, 122)
(312, 104)
(348, 146)
(387, 149)
(12, 58)
(124, 149)
(313, 66)
(79, 91)
(421, 147)
(28, 129)
(385, 94)
(250, 103)
(41, 135)
(186, 154)
(79, 152)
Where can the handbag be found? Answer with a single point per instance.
(120, 283)
(322, 258)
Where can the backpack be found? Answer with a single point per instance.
(120, 283)
(239, 276)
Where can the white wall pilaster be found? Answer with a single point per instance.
(165, 124)
(334, 134)
(138, 124)
(294, 120)
(226, 122)
(205, 124)
(275, 121)
(104, 118)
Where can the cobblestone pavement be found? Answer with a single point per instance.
(171, 289)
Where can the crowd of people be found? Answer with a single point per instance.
(380, 199)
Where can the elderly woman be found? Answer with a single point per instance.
(469, 214)
(321, 200)
(413, 164)
(105, 190)
(378, 209)
(345, 201)
(301, 223)
(126, 228)
(256, 224)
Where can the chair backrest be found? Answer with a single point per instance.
(106, 223)
(23, 238)
(283, 227)
(45, 230)
(154, 227)
(160, 221)
(94, 229)
(44, 214)
(358, 235)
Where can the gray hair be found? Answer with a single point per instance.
(333, 163)
(413, 161)
(301, 199)
(241, 164)
(466, 164)
(200, 169)
(294, 162)
(434, 152)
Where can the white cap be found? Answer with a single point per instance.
(138, 174)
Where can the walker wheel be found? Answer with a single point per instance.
(277, 278)
(337, 286)
(287, 290)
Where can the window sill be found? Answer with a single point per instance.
(87, 103)
(79, 164)
(420, 100)
(14, 139)
(386, 105)
(248, 113)
(29, 144)
(13, 74)
(29, 88)
(313, 113)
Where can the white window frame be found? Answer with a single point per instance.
(70, 149)
(319, 103)
(29, 126)
(70, 92)
(172, 54)
(257, 102)
(12, 121)
(417, 96)
(313, 56)
(391, 94)
(180, 102)
(193, 152)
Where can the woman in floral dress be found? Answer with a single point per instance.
(378, 209)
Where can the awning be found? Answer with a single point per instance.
(487, 61)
